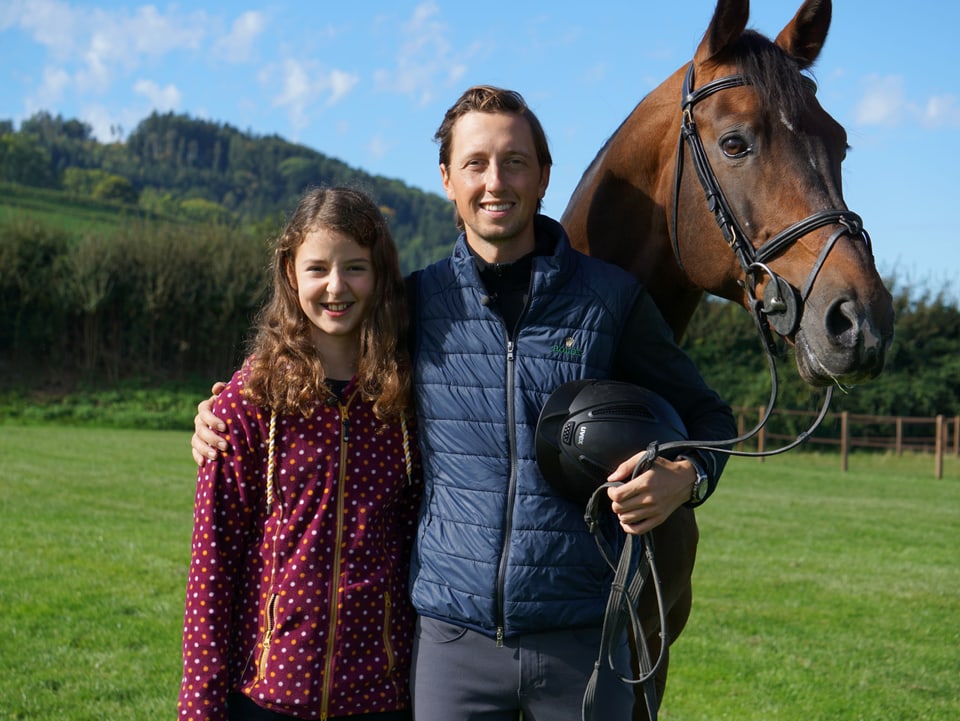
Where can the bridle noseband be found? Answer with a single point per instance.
(781, 305)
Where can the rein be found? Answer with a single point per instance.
(781, 308)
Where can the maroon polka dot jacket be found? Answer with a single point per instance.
(302, 606)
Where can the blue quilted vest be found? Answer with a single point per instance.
(497, 550)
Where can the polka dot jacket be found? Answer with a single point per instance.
(302, 605)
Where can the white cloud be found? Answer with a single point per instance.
(50, 92)
(10, 13)
(95, 45)
(110, 125)
(154, 34)
(340, 84)
(424, 60)
(237, 45)
(942, 111)
(885, 103)
(101, 120)
(296, 93)
(96, 75)
(305, 83)
(377, 147)
(161, 99)
(116, 35)
(52, 24)
(882, 103)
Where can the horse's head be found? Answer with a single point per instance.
(744, 122)
(767, 156)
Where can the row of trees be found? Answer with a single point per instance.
(161, 301)
(148, 300)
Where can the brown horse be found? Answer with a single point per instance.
(726, 179)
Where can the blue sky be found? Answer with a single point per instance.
(367, 82)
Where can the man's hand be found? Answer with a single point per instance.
(646, 501)
(208, 430)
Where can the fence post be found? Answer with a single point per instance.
(899, 436)
(844, 439)
(938, 449)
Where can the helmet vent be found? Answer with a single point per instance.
(566, 435)
(628, 411)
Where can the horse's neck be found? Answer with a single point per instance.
(618, 211)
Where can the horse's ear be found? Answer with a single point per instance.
(728, 23)
(803, 37)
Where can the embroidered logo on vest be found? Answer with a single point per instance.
(567, 348)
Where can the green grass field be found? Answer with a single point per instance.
(824, 595)
(93, 552)
(819, 595)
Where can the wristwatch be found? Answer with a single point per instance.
(701, 486)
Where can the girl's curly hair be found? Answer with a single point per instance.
(285, 368)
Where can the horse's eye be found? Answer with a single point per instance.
(734, 146)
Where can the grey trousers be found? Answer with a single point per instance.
(461, 674)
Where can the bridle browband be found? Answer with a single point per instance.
(780, 308)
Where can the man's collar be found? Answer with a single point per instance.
(544, 244)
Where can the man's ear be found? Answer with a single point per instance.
(544, 180)
(445, 177)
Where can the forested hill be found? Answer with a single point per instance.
(175, 166)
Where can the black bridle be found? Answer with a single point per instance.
(781, 308)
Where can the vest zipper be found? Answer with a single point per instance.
(511, 334)
(511, 494)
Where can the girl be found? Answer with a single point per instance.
(297, 601)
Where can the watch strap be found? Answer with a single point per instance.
(701, 486)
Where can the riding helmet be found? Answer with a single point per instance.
(589, 427)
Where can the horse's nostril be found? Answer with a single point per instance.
(842, 323)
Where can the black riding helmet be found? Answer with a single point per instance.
(589, 427)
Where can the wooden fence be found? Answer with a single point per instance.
(938, 435)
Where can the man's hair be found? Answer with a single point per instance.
(490, 99)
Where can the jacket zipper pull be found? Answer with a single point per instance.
(499, 636)
(510, 350)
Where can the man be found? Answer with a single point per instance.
(505, 577)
